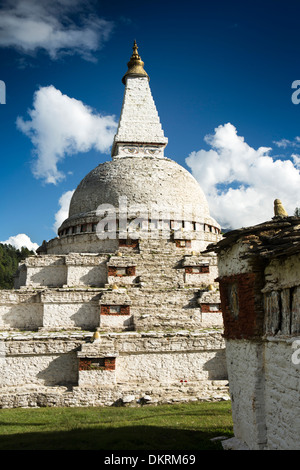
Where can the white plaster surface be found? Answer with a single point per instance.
(71, 315)
(24, 316)
(246, 384)
(139, 121)
(39, 370)
(230, 261)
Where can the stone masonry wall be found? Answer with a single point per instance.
(44, 368)
(34, 359)
(21, 310)
(282, 385)
(246, 383)
(260, 295)
(158, 263)
(159, 278)
(156, 307)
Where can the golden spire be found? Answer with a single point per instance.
(135, 65)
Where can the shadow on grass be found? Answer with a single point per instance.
(118, 439)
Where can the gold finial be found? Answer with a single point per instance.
(135, 53)
(135, 65)
(279, 210)
(96, 337)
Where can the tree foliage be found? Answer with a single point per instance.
(10, 257)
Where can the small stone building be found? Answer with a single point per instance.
(259, 277)
(122, 306)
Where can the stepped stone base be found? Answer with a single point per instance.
(36, 397)
(118, 369)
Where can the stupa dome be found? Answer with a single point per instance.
(147, 182)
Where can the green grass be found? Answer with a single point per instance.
(164, 427)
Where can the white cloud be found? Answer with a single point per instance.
(61, 126)
(20, 240)
(285, 143)
(241, 182)
(63, 212)
(59, 26)
(296, 159)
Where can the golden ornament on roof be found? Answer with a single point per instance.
(96, 337)
(279, 210)
(135, 65)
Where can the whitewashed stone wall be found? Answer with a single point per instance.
(25, 316)
(90, 243)
(157, 262)
(46, 271)
(64, 308)
(231, 260)
(67, 309)
(282, 385)
(19, 310)
(39, 370)
(178, 308)
(81, 243)
(42, 369)
(67, 315)
(159, 361)
(245, 375)
(169, 368)
(116, 322)
(86, 270)
(263, 345)
(65, 270)
(264, 383)
(92, 378)
(282, 273)
(33, 360)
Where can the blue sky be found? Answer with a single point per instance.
(221, 75)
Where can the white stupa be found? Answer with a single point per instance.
(123, 301)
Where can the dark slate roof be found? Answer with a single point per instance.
(277, 237)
